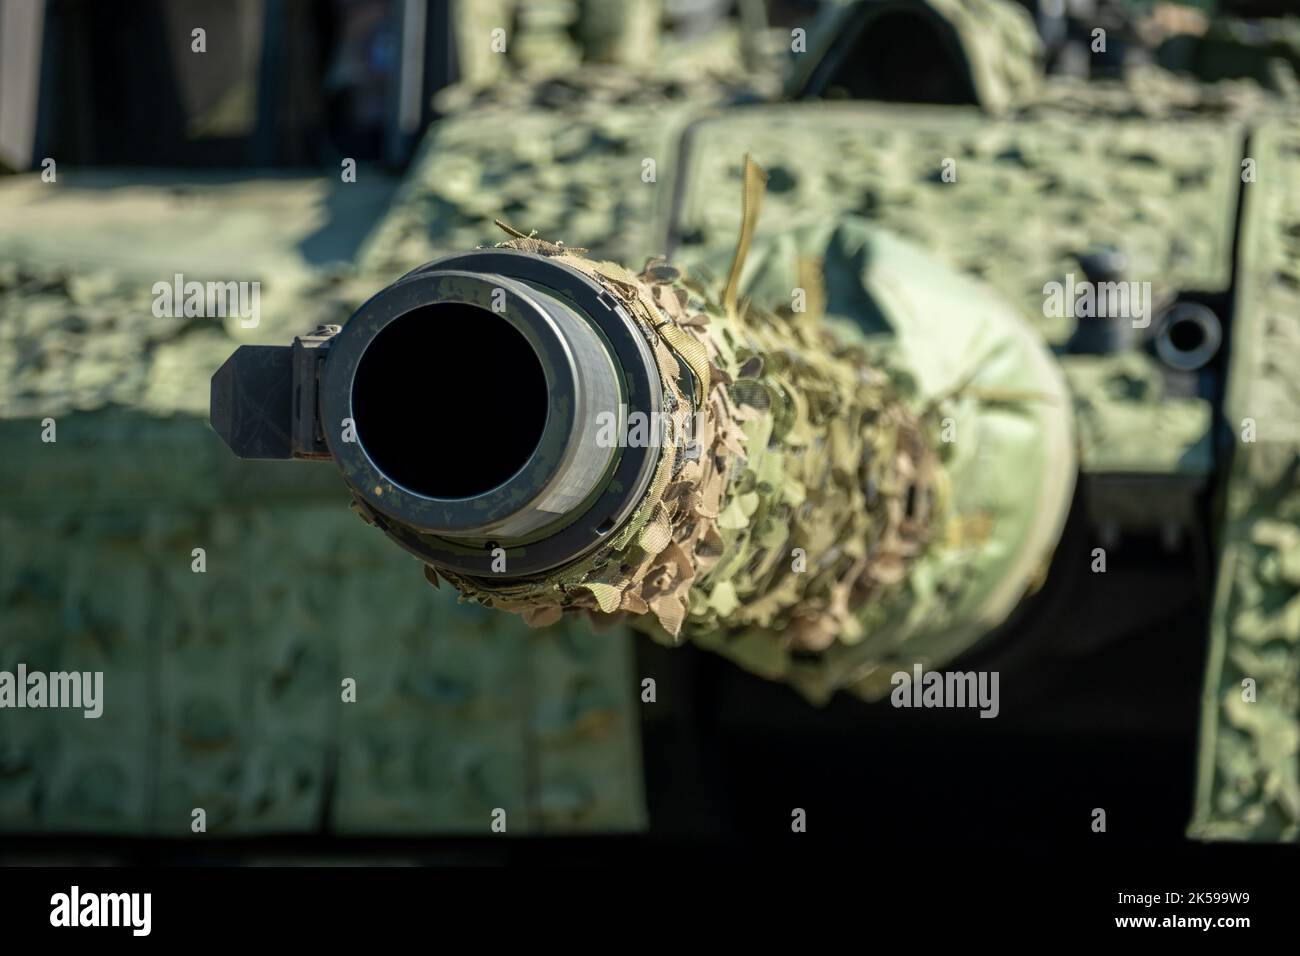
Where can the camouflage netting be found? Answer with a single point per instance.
(810, 489)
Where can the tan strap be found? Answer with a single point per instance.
(752, 200)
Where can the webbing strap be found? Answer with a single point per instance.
(751, 202)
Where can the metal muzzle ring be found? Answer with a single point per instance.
(570, 495)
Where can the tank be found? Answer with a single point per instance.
(845, 385)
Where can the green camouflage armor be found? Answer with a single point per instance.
(235, 672)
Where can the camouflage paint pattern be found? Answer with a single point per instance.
(1152, 162)
(1249, 780)
(223, 689)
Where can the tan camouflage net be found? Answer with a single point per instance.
(808, 488)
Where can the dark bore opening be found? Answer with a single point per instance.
(449, 400)
(1186, 335)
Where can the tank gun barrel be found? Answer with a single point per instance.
(551, 433)
(473, 405)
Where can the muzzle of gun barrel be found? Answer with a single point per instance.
(470, 407)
